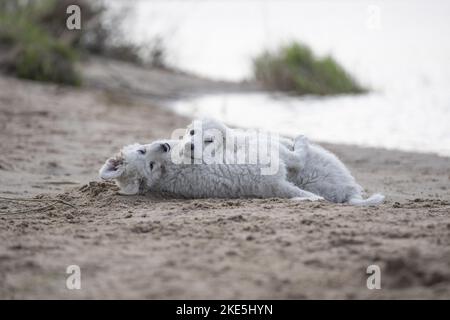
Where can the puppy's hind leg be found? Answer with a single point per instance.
(286, 189)
(301, 148)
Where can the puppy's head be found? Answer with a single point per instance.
(157, 157)
(126, 168)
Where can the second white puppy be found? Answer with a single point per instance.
(313, 169)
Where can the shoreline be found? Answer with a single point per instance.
(54, 139)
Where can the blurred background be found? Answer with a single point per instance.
(368, 73)
(400, 50)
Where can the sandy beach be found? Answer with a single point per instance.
(54, 139)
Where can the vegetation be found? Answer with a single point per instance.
(294, 68)
(29, 51)
(36, 44)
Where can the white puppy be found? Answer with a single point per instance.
(211, 142)
(205, 138)
(313, 169)
(141, 168)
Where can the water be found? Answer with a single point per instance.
(400, 49)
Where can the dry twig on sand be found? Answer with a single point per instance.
(52, 201)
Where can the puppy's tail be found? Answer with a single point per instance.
(373, 200)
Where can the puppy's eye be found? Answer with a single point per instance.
(192, 132)
(209, 140)
(152, 164)
(141, 151)
(165, 147)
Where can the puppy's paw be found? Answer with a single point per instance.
(311, 198)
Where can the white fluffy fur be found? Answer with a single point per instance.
(309, 172)
(213, 134)
(126, 169)
(324, 174)
(313, 169)
(216, 180)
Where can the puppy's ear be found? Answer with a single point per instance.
(113, 168)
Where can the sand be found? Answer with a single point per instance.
(53, 141)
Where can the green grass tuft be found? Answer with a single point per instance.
(49, 62)
(31, 52)
(294, 68)
(36, 44)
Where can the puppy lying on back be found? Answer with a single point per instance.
(151, 168)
